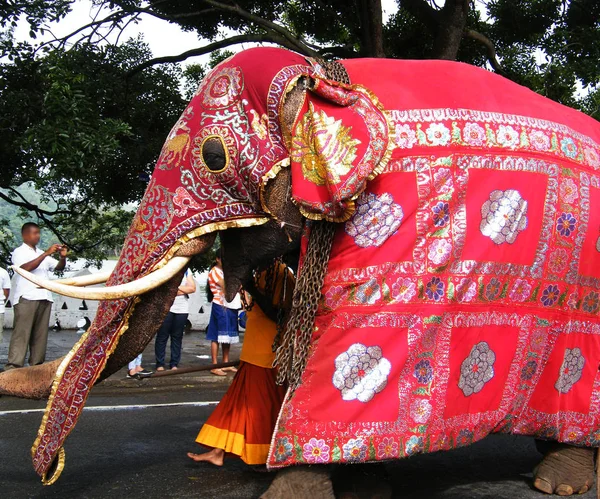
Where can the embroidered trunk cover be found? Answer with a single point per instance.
(462, 297)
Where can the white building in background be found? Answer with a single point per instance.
(68, 311)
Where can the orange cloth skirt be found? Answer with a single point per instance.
(243, 422)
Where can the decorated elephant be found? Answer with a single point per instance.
(448, 224)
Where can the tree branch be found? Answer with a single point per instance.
(234, 40)
(423, 12)
(487, 43)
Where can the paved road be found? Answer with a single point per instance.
(140, 453)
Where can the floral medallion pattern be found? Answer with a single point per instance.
(375, 220)
(316, 451)
(361, 372)
(355, 450)
(388, 449)
(570, 370)
(504, 215)
(477, 369)
(222, 88)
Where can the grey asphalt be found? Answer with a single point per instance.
(124, 452)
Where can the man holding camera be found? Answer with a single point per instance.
(32, 305)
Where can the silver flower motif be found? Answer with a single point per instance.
(477, 369)
(361, 372)
(570, 370)
(376, 219)
(504, 215)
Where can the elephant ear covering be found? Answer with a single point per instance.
(340, 140)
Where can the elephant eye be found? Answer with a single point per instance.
(214, 154)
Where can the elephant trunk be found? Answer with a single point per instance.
(36, 382)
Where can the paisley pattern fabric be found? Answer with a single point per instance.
(483, 295)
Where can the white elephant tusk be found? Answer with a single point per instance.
(85, 280)
(134, 288)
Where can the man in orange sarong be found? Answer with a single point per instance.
(243, 422)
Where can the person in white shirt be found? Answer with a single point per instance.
(32, 305)
(5, 286)
(174, 324)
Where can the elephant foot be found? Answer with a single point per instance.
(565, 470)
(362, 481)
(303, 482)
(29, 382)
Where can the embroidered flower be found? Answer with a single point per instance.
(442, 180)
(283, 449)
(570, 370)
(507, 136)
(355, 450)
(369, 292)
(558, 260)
(594, 439)
(550, 295)
(591, 157)
(464, 438)
(529, 370)
(439, 251)
(413, 445)
(591, 302)
(315, 451)
(404, 290)
(441, 214)
(387, 448)
(538, 340)
(438, 134)
(377, 217)
(420, 411)
(335, 295)
(477, 369)
(573, 434)
(473, 134)
(435, 289)
(423, 371)
(539, 140)
(466, 290)
(492, 289)
(504, 216)
(405, 136)
(568, 190)
(361, 372)
(428, 338)
(568, 147)
(573, 299)
(566, 224)
(521, 290)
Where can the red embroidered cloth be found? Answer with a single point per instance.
(462, 297)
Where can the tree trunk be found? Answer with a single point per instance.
(451, 28)
(371, 28)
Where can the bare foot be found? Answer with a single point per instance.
(215, 457)
(174, 368)
(230, 369)
(218, 372)
(161, 368)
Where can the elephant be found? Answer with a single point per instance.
(448, 273)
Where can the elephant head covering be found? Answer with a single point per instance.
(340, 139)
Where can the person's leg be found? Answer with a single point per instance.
(160, 344)
(1, 328)
(135, 365)
(225, 347)
(214, 352)
(39, 333)
(177, 328)
(17, 350)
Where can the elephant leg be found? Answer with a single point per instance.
(302, 482)
(565, 470)
(362, 481)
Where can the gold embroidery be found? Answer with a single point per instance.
(324, 147)
(259, 124)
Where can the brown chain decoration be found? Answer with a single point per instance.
(292, 354)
